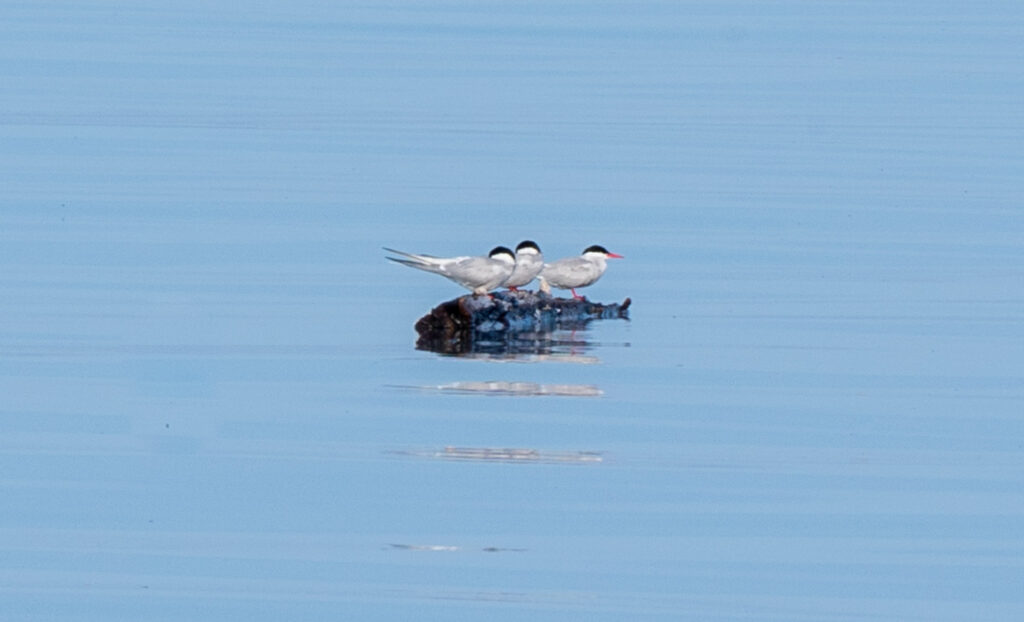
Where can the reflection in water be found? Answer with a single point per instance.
(507, 454)
(530, 389)
(425, 547)
(447, 548)
(546, 345)
(554, 357)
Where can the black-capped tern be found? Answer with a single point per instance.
(573, 272)
(529, 261)
(477, 274)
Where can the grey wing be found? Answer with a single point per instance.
(473, 269)
(533, 265)
(569, 271)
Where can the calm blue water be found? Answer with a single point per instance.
(211, 406)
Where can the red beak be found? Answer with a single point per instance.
(615, 256)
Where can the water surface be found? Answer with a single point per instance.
(213, 405)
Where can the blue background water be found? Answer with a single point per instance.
(211, 403)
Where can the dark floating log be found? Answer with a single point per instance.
(479, 323)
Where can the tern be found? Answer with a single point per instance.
(529, 261)
(477, 274)
(573, 272)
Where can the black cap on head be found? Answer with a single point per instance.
(528, 244)
(596, 248)
(499, 250)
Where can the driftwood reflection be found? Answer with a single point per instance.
(565, 345)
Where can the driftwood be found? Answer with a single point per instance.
(507, 321)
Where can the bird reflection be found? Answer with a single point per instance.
(507, 388)
(521, 455)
